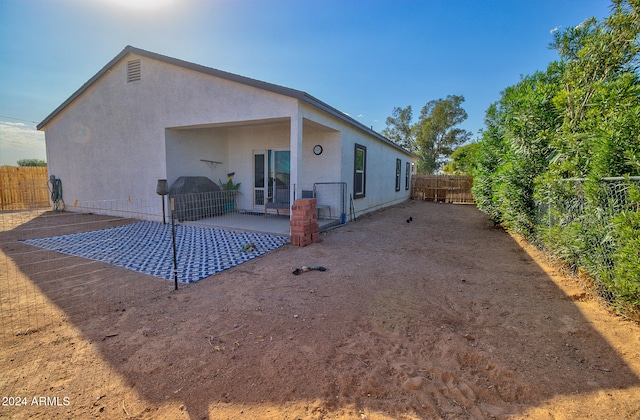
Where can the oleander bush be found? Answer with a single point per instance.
(559, 159)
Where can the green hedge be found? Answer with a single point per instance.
(578, 119)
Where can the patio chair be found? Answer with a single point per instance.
(281, 201)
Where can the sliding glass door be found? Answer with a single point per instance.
(271, 172)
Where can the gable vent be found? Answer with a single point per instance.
(133, 71)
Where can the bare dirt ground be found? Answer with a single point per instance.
(443, 317)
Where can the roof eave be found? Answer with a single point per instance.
(181, 63)
(347, 118)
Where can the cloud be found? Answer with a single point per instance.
(20, 141)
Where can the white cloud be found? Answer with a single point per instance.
(20, 141)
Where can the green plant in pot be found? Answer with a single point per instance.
(230, 190)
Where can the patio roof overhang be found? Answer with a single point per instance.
(236, 123)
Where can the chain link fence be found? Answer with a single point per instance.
(331, 201)
(100, 257)
(41, 288)
(589, 224)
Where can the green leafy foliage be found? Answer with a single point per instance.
(399, 128)
(32, 162)
(229, 185)
(578, 119)
(463, 160)
(436, 134)
(626, 259)
(515, 149)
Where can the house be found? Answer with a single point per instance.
(145, 117)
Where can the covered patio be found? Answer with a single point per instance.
(257, 222)
(266, 160)
(173, 119)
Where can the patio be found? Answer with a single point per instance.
(256, 222)
(146, 247)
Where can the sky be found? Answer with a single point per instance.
(362, 57)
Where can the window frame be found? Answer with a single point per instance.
(398, 173)
(407, 176)
(359, 172)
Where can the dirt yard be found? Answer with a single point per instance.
(442, 317)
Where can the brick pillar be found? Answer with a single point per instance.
(304, 222)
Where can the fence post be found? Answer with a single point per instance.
(173, 240)
(549, 206)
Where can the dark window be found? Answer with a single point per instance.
(360, 171)
(407, 179)
(398, 173)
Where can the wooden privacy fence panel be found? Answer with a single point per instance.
(23, 187)
(445, 188)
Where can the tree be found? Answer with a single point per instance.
(437, 133)
(599, 99)
(434, 136)
(463, 160)
(31, 162)
(516, 149)
(400, 129)
(579, 119)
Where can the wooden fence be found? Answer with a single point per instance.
(444, 188)
(27, 187)
(23, 187)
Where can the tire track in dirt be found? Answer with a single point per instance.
(443, 317)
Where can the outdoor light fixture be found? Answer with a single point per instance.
(162, 189)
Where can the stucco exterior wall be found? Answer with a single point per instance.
(117, 138)
(324, 167)
(116, 129)
(187, 148)
(101, 148)
(380, 173)
(380, 167)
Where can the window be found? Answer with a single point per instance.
(407, 178)
(133, 71)
(360, 171)
(398, 171)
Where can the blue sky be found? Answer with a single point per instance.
(363, 57)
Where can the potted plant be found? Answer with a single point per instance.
(230, 189)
